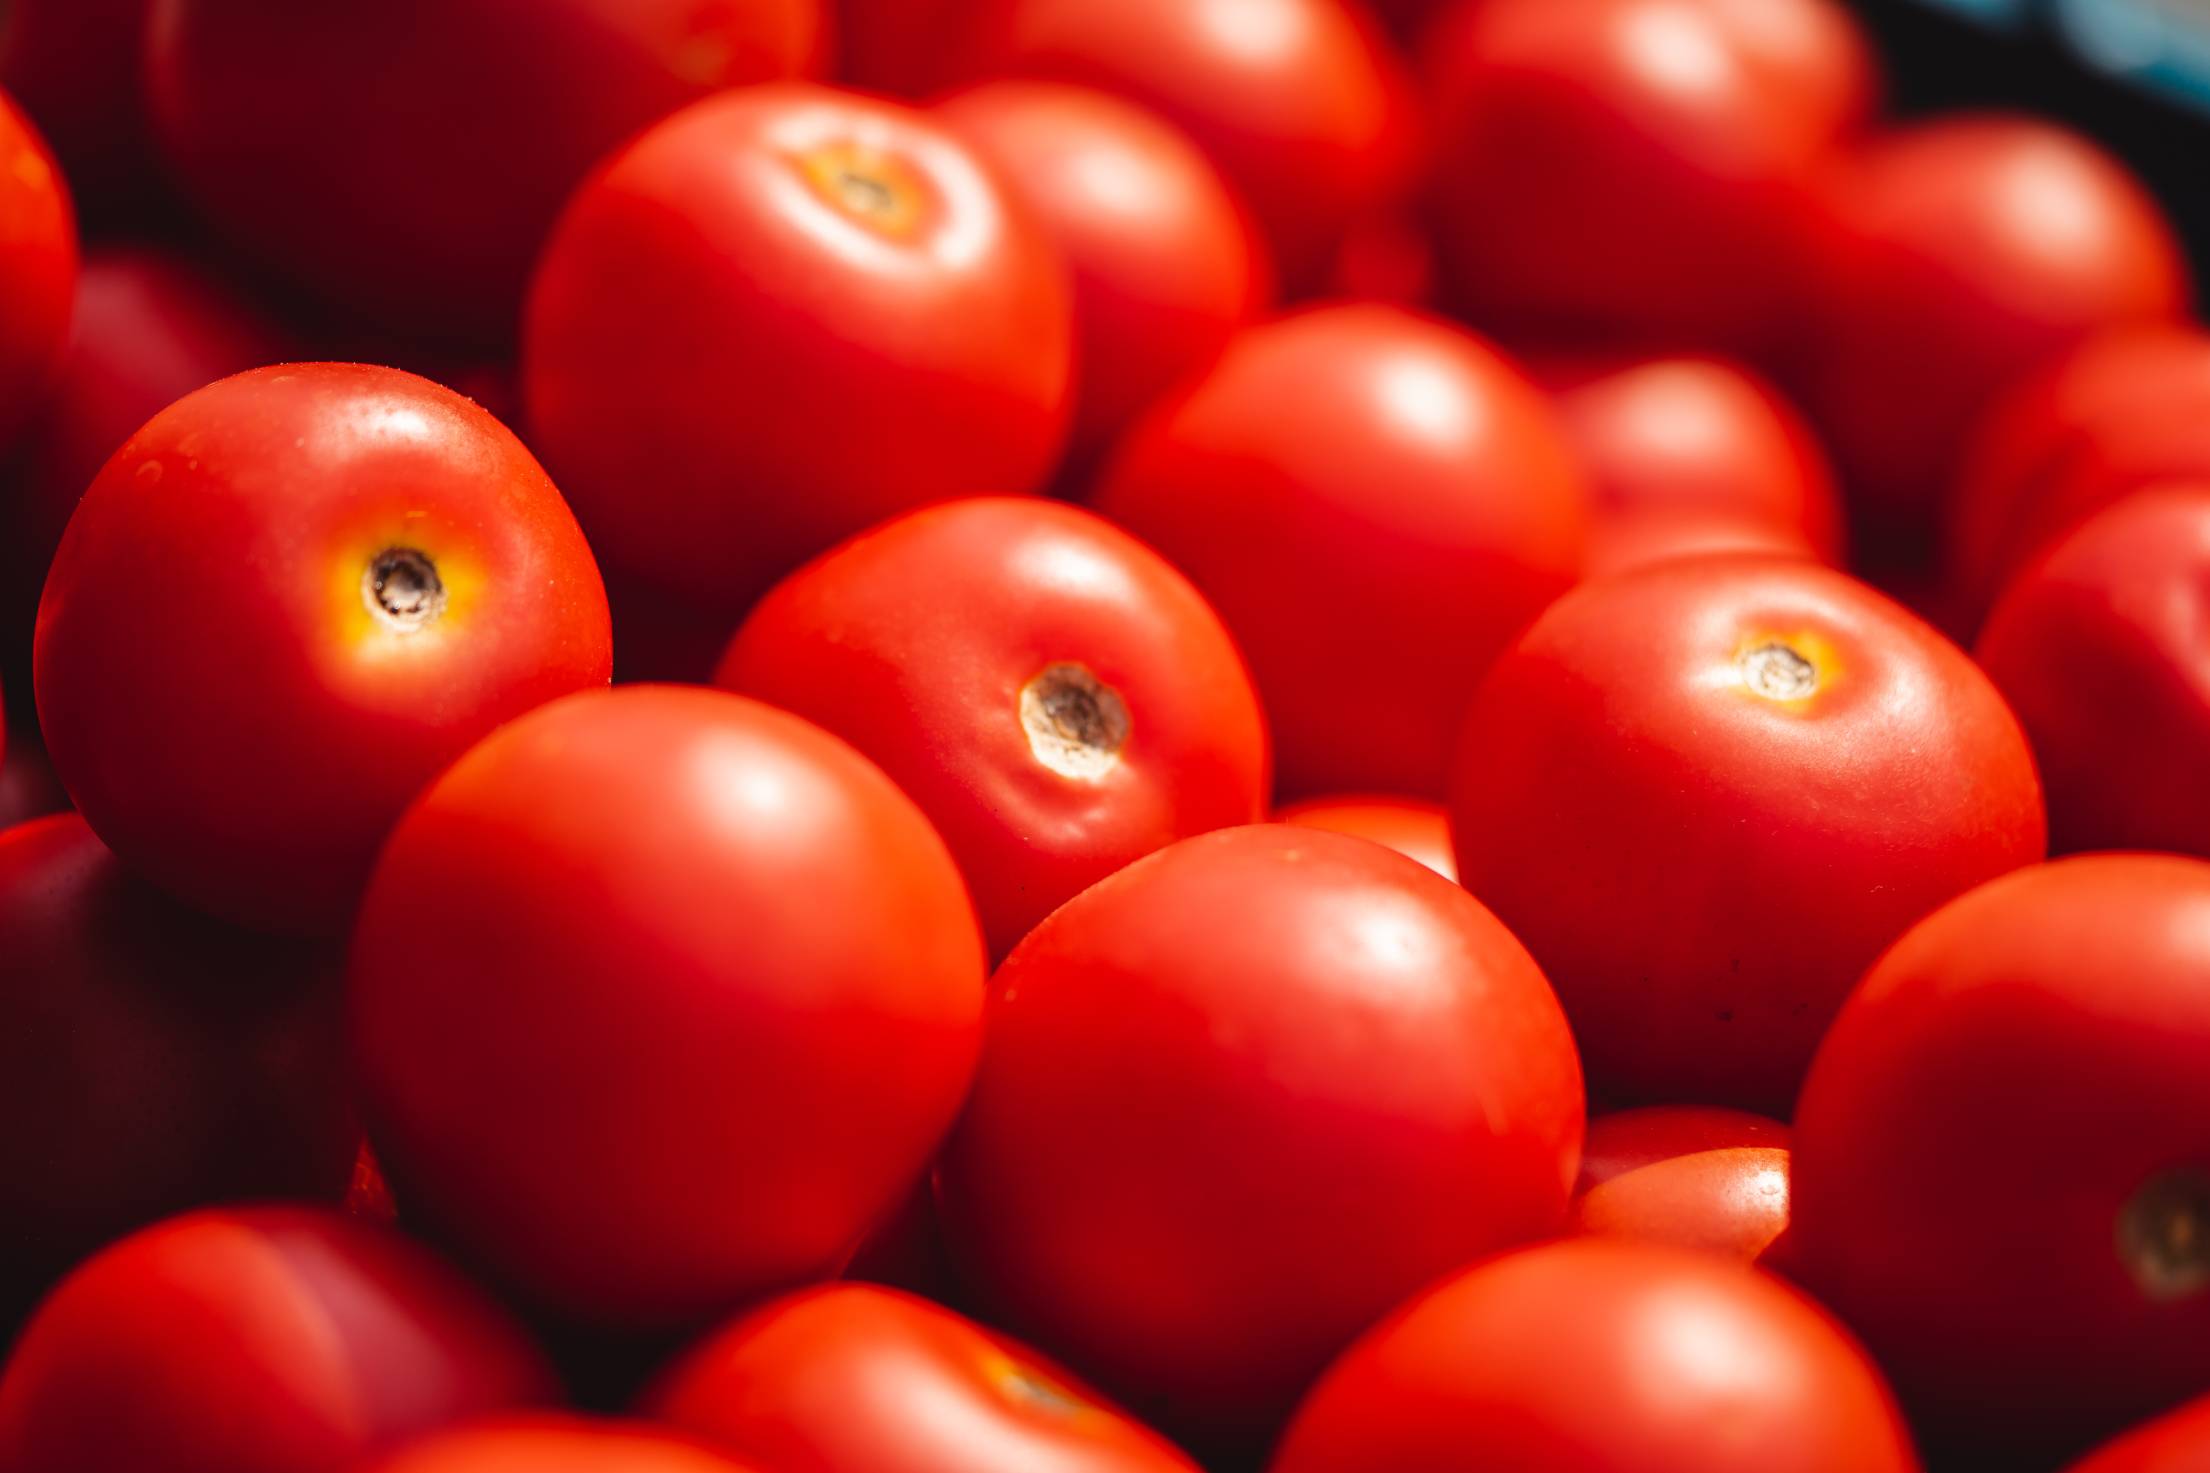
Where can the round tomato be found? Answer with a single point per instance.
(1376, 503)
(2003, 1157)
(38, 266)
(781, 316)
(911, 48)
(1622, 544)
(255, 1340)
(667, 918)
(1338, 1077)
(285, 604)
(2178, 1442)
(854, 1379)
(1594, 1354)
(560, 1445)
(1386, 257)
(1708, 794)
(73, 65)
(1056, 698)
(1414, 828)
(1689, 1175)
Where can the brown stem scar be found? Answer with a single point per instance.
(2164, 1234)
(1777, 672)
(1076, 723)
(402, 590)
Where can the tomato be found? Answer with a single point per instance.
(853, 1379)
(1345, 484)
(1165, 262)
(1691, 129)
(911, 48)
(2003, 1157)
(730, 939)
(1708, 794)
(255, 1340)
(28, 787)
(285, 604)
(1386, 257)
(406, 161)
(1337, 1077)
(38, 266)
(2099, 647)
(1688, 1175)
(2175, 1443)
(782, 316)
(1622, 544)
(1414, 828)
(560, 1445)
(1602, 1355)
(73, 65)
(1056, 698)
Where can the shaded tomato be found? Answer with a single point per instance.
(28, 787)
(1413, 827)
(1386, 257)
(1689, 1175)
(74, 67)
(1623, 544)
(1707, 794)
(2178, 1442)
(911, 48)
(38, 266)
(1344, 484)
(560, 1445)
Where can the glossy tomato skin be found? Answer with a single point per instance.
(559, 1444)
(1057, 699)
(1165, 262)
(255, 1340)
(781, 316)
(236, 708)
(1347, 484)
(1351, 1079)
(1413, 827)
(731, 937)
(2178, 1442)
(1690, 1175)
(2026, 1059)
(850, 1378)
(1596, 1354)
(1708, 793)
(406, 161)
(38, 266)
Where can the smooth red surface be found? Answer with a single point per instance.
(732, 367)
(38, 266)
(1689, 1175)
(561, 1445)
(74, 66)
(1376, 503)
(850, 1378)
(219, 699)
(255, 1340)
(915, 642)
(1413, 827)
(661, 998)
(1703, 870)
(910, 48)
(1602, 1357)
(1241, 1098)
(1623, 544)
(2178, 1442)
(2005, 1081)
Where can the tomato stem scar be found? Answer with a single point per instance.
(401, 588)
(2164, 1234)
(1076, 723)
(1778, 673)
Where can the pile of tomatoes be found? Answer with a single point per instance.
(1089, 736)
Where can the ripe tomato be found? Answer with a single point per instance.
(1596, 1354)
(2003, 1156)
(1688, 1175)
(1414, 828)
(560, 1445)
(286, 603)
(2178, 1442)
(1345, 485)
(1056, 698)
(255, 1340)
(28, 787)
(1165, 262)
(73, 65)
(911, 48)
(849, 1378)
(1342, 1078)
(1622, 544)
(781, 316)
(2099, 646)
(406, 160)
(38, 266)
(1707, 794)
(730, 940)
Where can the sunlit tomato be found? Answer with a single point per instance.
(1597, 1354)
(1622, 544)
(259, 1340)
(1056, 698)
(1338, 1077)
(1414, 828)
(2178, 1442)
(661, 998)
(1960, 254)
(1708, 793)
(73, 65)
(286, 603)
(406, 161)
(1689, 1175)
(2002, 1160)
(784, 315)
(1165, 264)
(561, 1445)
(38, 266)
(855, 1379)
(2100, 648)
(1376, 503)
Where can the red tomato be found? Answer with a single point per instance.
(2100, 648)
(1624, 1357)
(1337, 1077)
(1414, 828)
(1623, 544)
(1688, 1175)
(853, 1379)
(73, 65)
(779, 317)
(255, 1340)
(38, 266)
(679, 1036)
(1056, 698)
(1376, 503)
(2178, 1442)
(2003, 1157)
(911, 48)
(1707, 794)
(560, 1445)
(1165, 264)
(285, 604)
(1385, 258)
(407, 160)
(28, 787)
